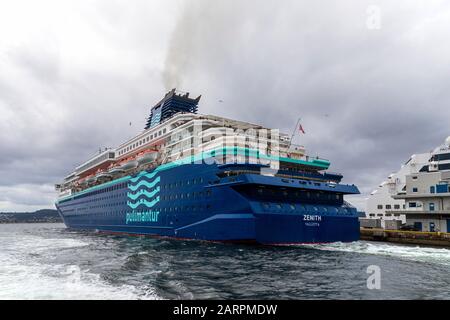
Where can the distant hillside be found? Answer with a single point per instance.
(45, 215)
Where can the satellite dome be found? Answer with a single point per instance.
(447, 141)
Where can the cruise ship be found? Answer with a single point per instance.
(204, 177)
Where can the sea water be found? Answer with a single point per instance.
(47, 261)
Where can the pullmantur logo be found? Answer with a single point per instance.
(143, 192)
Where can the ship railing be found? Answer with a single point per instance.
(333, 173)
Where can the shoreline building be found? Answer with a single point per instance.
(380, 204)
(427, 193)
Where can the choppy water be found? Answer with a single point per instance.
(46, 261)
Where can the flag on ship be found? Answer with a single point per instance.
(300, 128)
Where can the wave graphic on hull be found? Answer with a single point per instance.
(144, 193)
(143, 202)
(144, 183)
(140, 194)
(143, 174)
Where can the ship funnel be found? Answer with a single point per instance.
(173, 102)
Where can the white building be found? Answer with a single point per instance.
(427, 193)
(380, 200)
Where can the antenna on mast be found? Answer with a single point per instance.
(293, 132)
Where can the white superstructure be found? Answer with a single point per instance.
(182, 135)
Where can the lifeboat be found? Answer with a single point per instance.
(116, 170)
(90, 179)
(130, 165)
(147, 158)
(103, 176)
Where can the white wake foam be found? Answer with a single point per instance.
(415, 253)
(23, 275)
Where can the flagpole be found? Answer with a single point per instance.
(293, 133)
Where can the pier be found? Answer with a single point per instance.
(441, 239)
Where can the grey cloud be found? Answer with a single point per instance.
(368, 98)
(383, 91)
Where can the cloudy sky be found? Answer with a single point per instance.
(370, 79)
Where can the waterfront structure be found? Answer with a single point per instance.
(381, 205)
(205, 177)
(427, 193)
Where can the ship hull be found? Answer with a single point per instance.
(187, 202)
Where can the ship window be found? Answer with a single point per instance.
(388, 206)
(412, 205)
(164, 130)
(380, 206)
(396, 206)
(414, 189)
